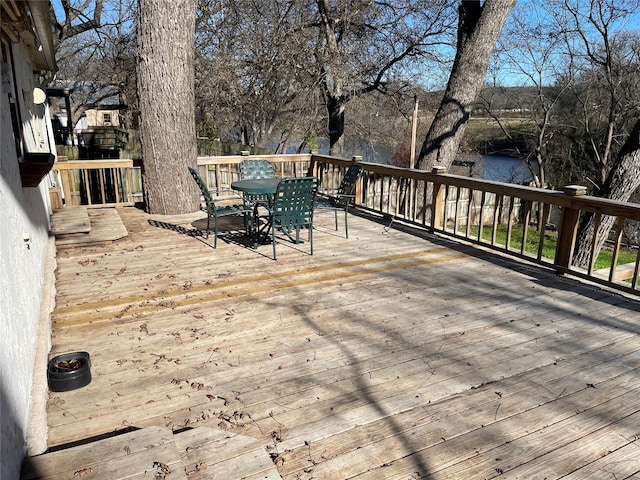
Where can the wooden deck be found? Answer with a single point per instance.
(390, 355)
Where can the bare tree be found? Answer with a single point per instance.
(80, 16)
(363, 45)
(289, 62)
(96, 53)
(623, 181)
(605, 97)
(165, 39)
(530, 51)
(251, 72)
(479, 27)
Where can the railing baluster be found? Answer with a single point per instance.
(496, 214)
(456, 211)
(472, 196)
(445, 215)
(594, 243)
(483, 198)
(436, 202)
(116, 183)
(101, 177)
(507, 243)
(525, 228)
(130, 197)
(86, 185)
(545, 215)
(634, 279)
(616, 248)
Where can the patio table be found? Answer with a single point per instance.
(266, 186)
(257, 185)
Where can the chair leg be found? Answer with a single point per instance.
(311, 238)
(335, 214)
(215, 232)
(273, 240)
(206, 232)
(346, 226)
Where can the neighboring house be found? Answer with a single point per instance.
(27, 151)
(97, 123)
(103, 116)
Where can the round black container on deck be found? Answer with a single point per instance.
(69, 371)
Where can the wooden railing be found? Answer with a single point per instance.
(534, 224)
(219, 172)
(97, 183)
(530, 223)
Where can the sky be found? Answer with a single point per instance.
(504, 74)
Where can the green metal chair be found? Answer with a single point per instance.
(292, 209)
(342, 198)
(216, 211)
(252, 169)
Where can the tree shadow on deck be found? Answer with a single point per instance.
(514, 321)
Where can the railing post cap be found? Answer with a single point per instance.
(575, 190)
(438, 169)
(357, 158)
(245, 153)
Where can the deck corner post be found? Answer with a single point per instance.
(568, 229)
(436, 200)
(312, 171)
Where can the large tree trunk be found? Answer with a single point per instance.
(622, 182)
(478, 30)
(335, 109)
(165, 37)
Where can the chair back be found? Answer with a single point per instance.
(350, 179)
(293, 201)
(256, 168)
(208, 198)
(252, 169)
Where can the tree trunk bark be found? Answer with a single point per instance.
(165, 74)
(478, 30)
(622, 182)
(335, 109)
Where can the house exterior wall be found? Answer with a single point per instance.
(95, 118)
(24, 243)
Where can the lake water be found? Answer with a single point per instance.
(497, 168)
(503, 169)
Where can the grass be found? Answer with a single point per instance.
(549, 245)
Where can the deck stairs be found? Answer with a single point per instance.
(82, 225)
(157, 453)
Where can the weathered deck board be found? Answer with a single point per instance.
(355, 362)
(139, 454)
(70, 220)
(478, 408)
(210, 453)
(89, 227)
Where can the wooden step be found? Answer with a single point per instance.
(70, 220)
(148, 453)
(155, 452)
(105, 226)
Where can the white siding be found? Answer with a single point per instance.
(24, 227)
